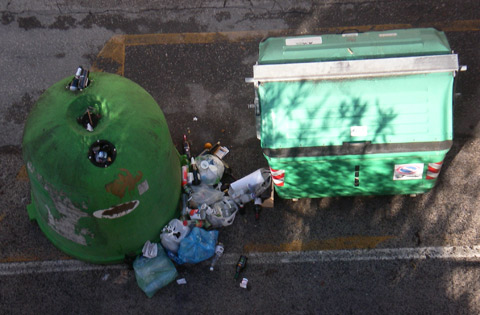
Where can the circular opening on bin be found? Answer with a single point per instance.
(102, 153)
(89, 119)
(87, 112)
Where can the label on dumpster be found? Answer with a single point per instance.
(387, 34)
(358, 131)
(300, 41)
(408, 171)
(143, 187)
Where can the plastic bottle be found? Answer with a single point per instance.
(186, 147)
(83, 80)
(197, 223)
(196, 176)
(188, 190)
(200, 213)
(184, 212)
(184, 175)
(242, 262)
(75, 81)
(218, 253)
(258, 208)
(79, 72)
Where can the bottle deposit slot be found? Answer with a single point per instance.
(102, 153)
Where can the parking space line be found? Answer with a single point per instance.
(114, 49)
(458, 253)
(338, 243)
(465, 253)
(46, 266)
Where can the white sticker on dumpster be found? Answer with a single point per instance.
(317, 40)
(408, 171)
(143, 187)
(358, 131)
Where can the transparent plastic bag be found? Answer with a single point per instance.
(152, 274)
(222, 213)
(198, 246)
(204, 194)
(211, 169)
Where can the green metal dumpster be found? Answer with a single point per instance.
(104, 173)
(355, 114)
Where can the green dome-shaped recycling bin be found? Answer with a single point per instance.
(104, 173)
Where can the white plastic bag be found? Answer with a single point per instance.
(222, 213)
(173, 233)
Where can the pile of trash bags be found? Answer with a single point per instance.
(207, 204)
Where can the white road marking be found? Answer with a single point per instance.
(470, 253)
(381, 254)
(69, 265)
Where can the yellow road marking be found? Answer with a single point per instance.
(114, 49)
(22, 174)
(338, 243)
(31, 258)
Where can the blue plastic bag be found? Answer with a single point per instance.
(153, 274)
(174, 257)
(198, 246)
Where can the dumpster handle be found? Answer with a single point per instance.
(357, 143)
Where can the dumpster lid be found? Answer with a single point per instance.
(353, 46)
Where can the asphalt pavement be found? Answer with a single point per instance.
(360, 255)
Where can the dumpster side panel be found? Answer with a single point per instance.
(401, 109)
(316, 177)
